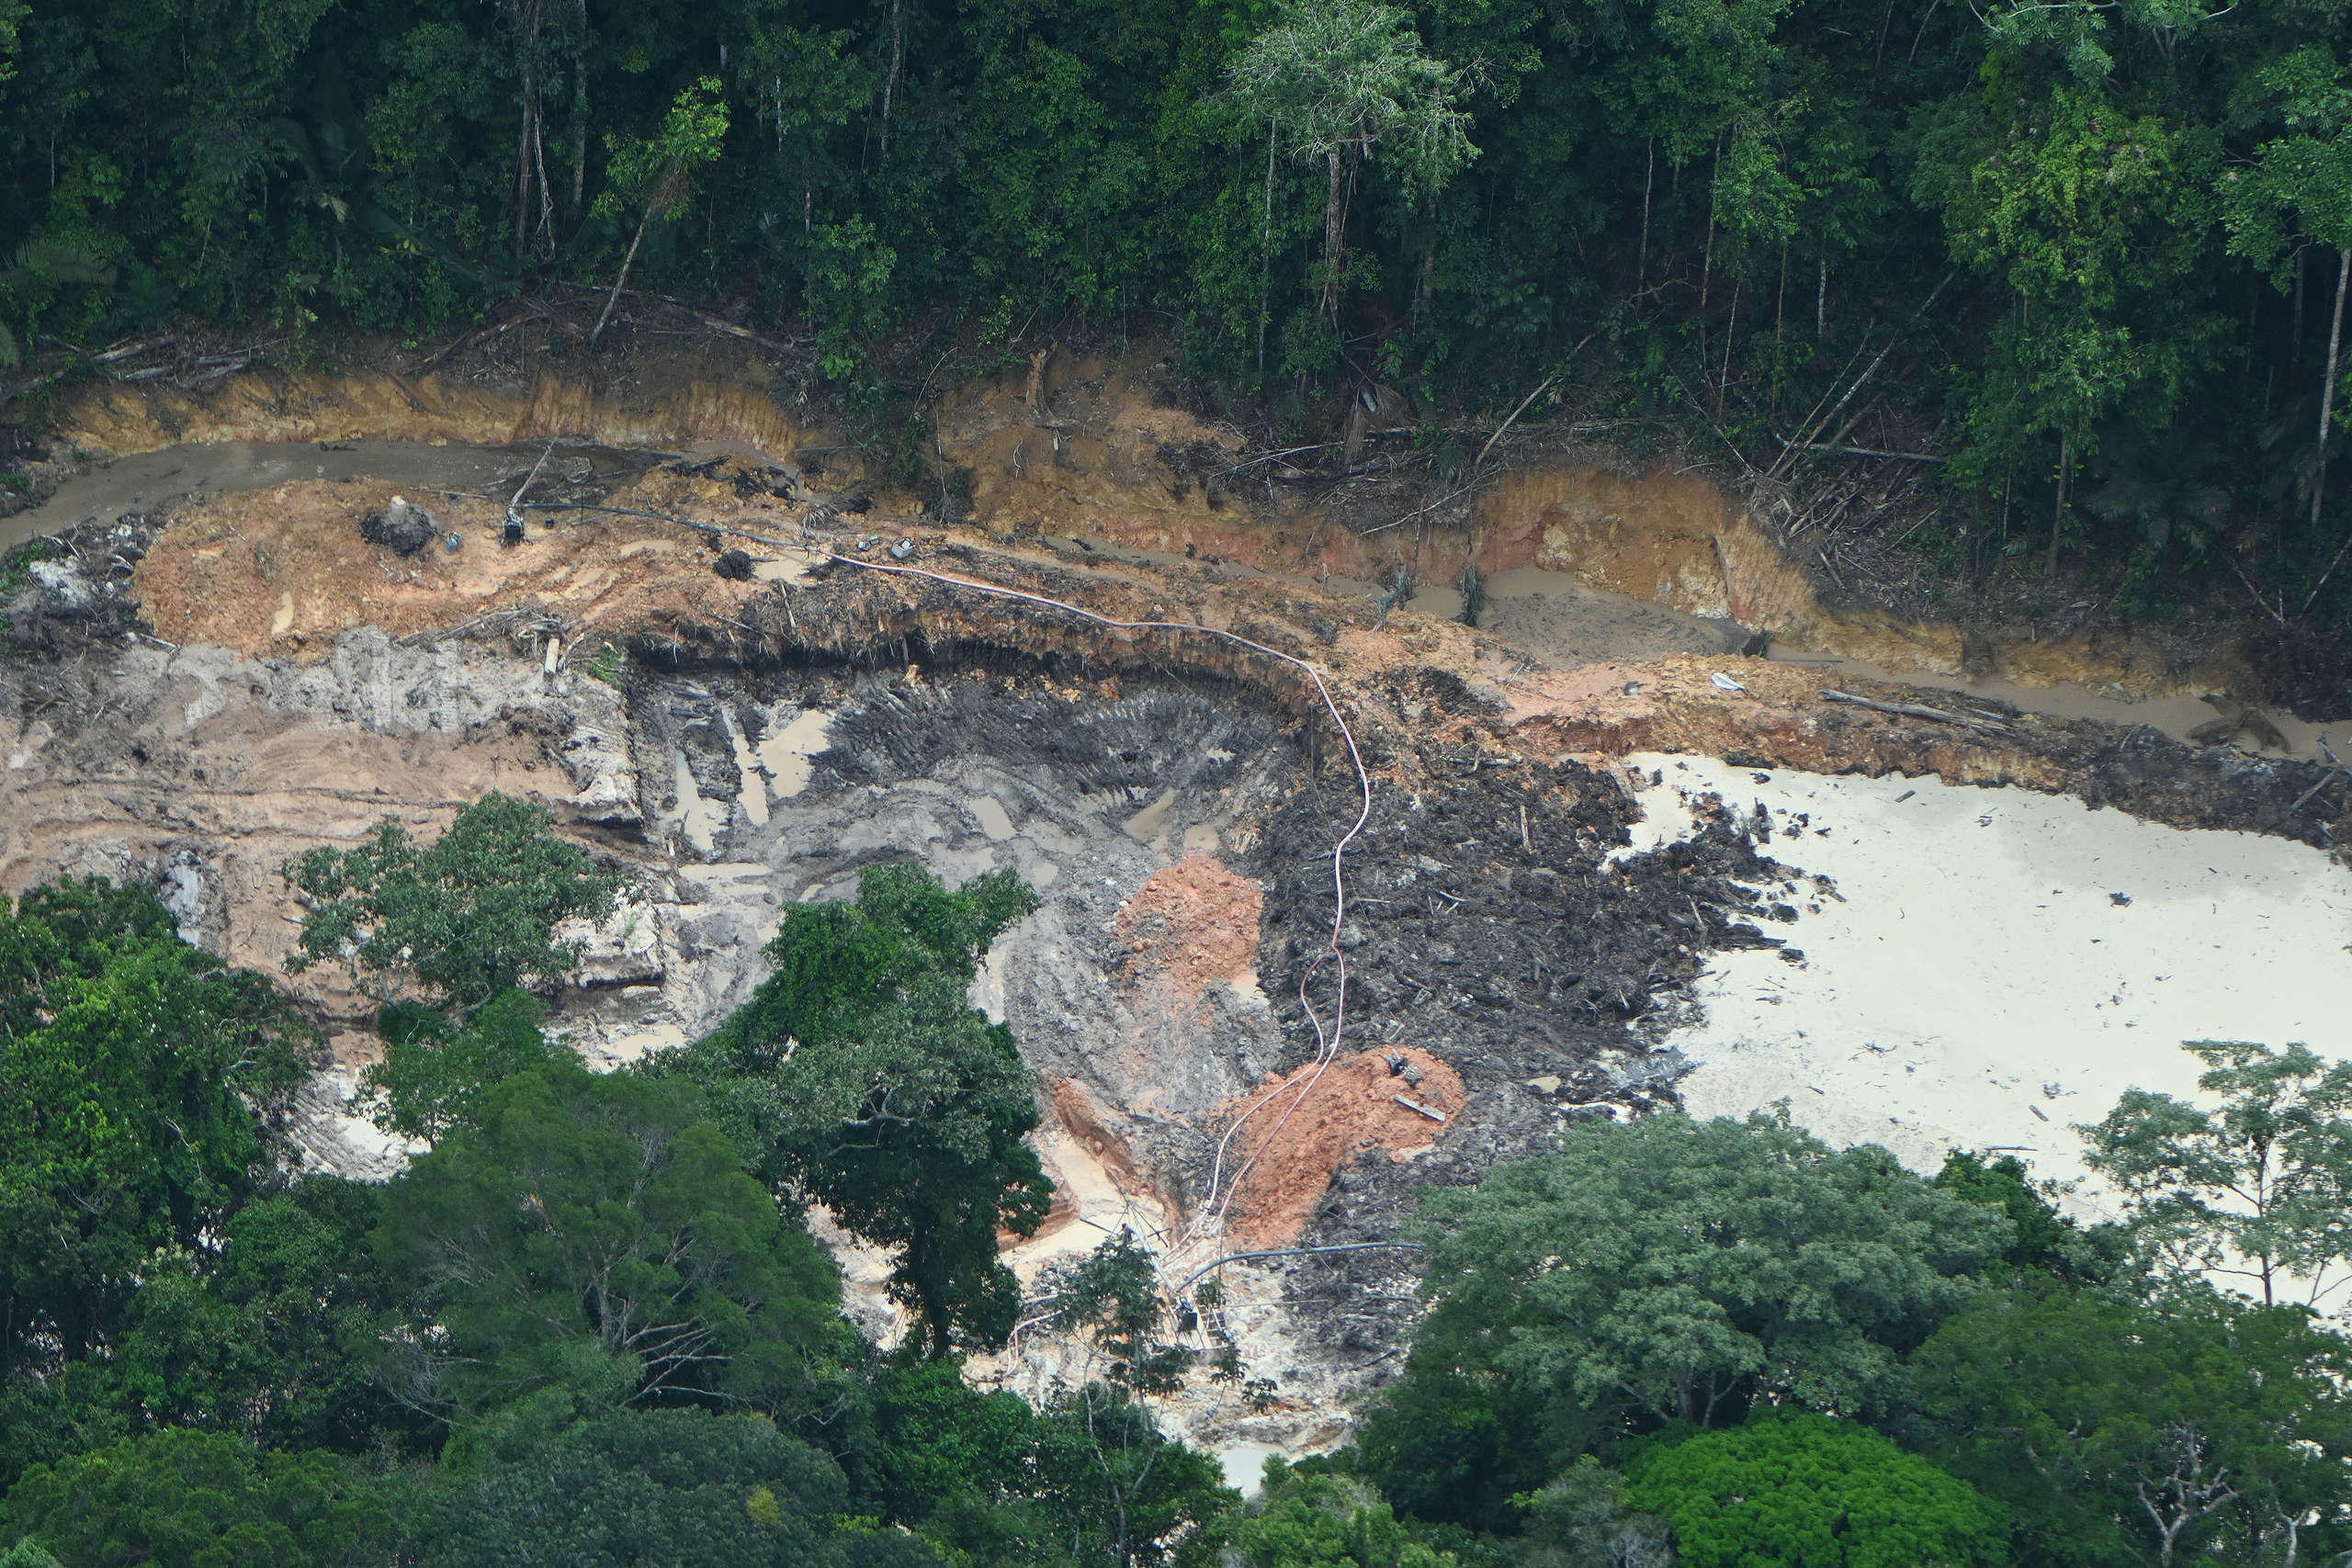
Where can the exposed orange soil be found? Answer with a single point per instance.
(1191, 926)
(1083, 447)
(1354, 1107)
(285, 571)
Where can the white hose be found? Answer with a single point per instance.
(1326, 1041)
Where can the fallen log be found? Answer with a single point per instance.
(1914, 710)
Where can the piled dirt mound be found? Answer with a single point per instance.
(1191, 927)
(1312, 1122)
(401, 528)
(64, 592)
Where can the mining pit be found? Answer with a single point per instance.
(1580, 888)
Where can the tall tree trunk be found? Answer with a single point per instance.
(2058, 515)
(2295, 333)
(523, 173)
(1731, 333)
(1266, 251)
(898, 59)
(526, 18)
(1821, 304)
(580, 114)
(546, 192)
(1649, 173)
(1707, 264)
(1780, 303)
(1779, 319)
(1425, 290)
(1334, 237)
(2327, 387)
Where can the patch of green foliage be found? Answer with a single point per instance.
(593, 1238)
(432, 1071)
(17, 569)
(606, 664)
(182, 1498)
(2121, 1431)
(1305, 1520)
(1087, 1477)
(1671, 1270)
(469, 916)
(133, 1067)
(2255, 1186)
(654, 1489)
(16, 562)
(2042, 1240)
(1801, 1488)
(864, 1079)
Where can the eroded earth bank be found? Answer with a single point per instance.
(745, 718)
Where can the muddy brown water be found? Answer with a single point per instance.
(151, 481)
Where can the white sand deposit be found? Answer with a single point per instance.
(1981, 985)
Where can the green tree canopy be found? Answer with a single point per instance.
(595, 1236)
(1112, 1296)
(469, 916)
(1343, 81)
(1809, 1492)
(2043, 1241)
(2258, 1186)
(1088, 1478)
(653, 1489)
(656, 175)
(188, 1499)
(2301, 187)
(1582, 1519)
(1326, 1522)
(878, 1091)
(1668, 1269)
(431, 1073)
(2211, 1430)
(270, 1336)
(2090, 211)
(1457, 1440)
(136, 1072)
(833, 962)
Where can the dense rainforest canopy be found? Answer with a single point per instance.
(587, 1324)
(2101, 244)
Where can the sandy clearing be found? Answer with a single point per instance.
(1979, 985)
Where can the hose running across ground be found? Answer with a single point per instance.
(1326, 1041)
(1215, 1208)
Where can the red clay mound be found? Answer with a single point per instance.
(1191, 926)
(1357, 1105)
